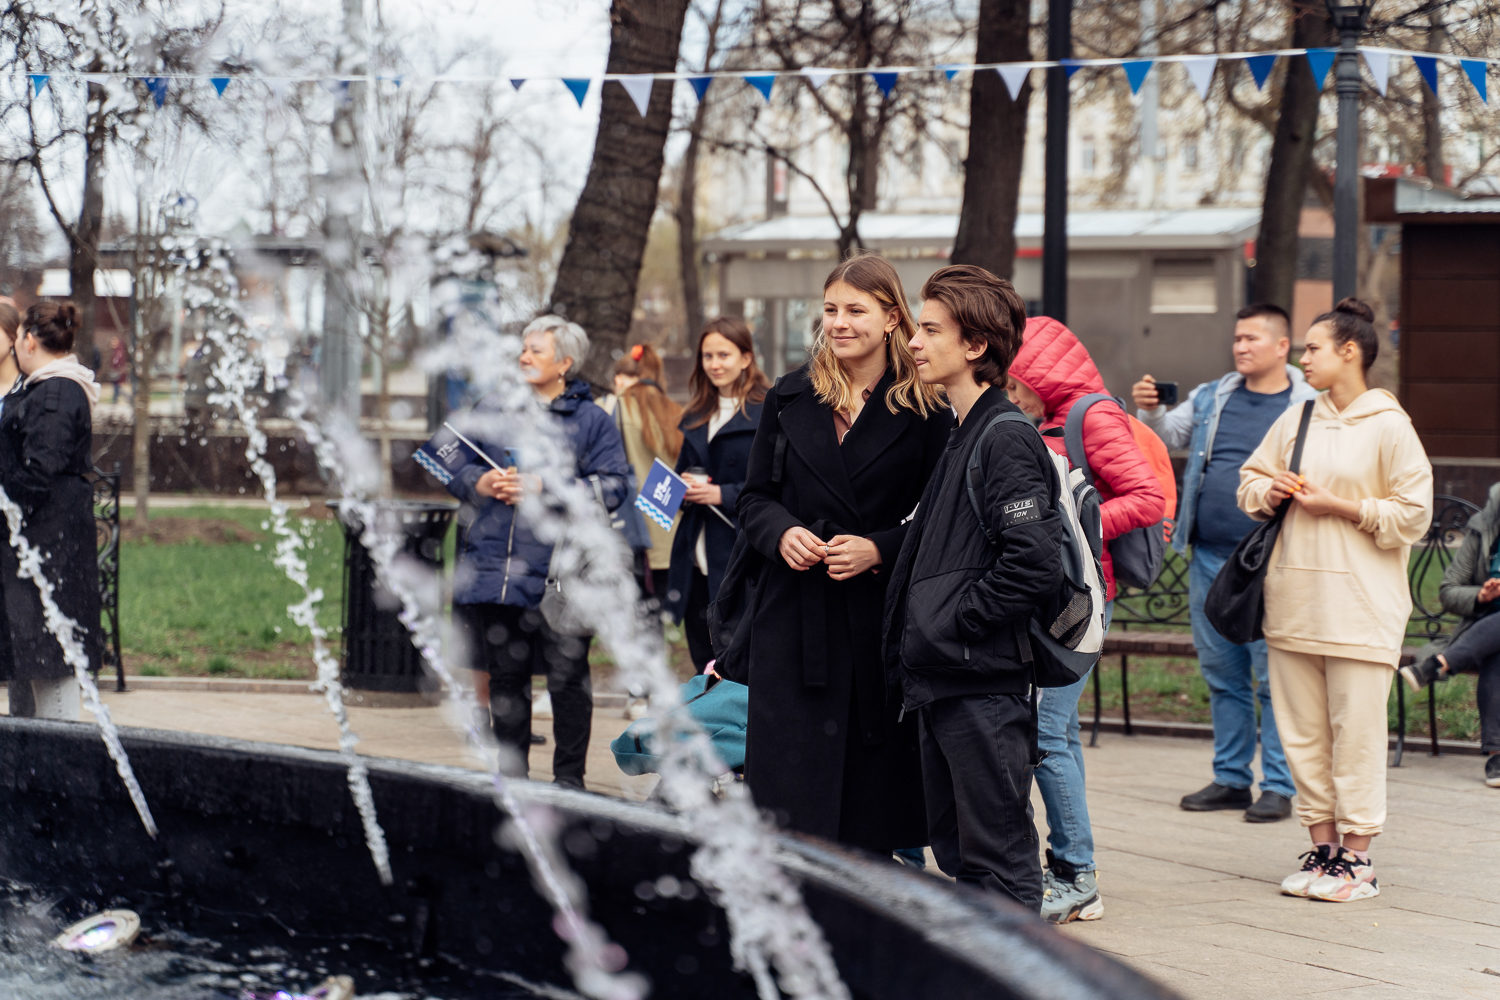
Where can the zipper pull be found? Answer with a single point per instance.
(902, 715)
(966, 651)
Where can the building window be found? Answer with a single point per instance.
(1190, 155)
(1184, 287)
(1086, 155)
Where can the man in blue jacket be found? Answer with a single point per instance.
(1220, 424)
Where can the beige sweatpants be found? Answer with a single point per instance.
(1331, 715)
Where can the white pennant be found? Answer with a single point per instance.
(1380, 68)
(1014, 77)
(818, 77)
(639, 89)
(1201, 72)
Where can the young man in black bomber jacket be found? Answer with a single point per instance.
(956, 602)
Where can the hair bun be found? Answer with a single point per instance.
(1349, 304)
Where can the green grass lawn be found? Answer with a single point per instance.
(197, 609)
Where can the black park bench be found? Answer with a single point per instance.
(1155, 621)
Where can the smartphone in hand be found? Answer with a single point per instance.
(1166, 394)
(510, 460)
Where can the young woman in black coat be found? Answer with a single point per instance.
(717, 430)
(845, 446)
(46, 445)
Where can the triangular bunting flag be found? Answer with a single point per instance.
(38, 83)
(397, 81)
(579, 89)
(638, 86)
(157, 85)
(1319, 61)
(1260, 68)
(885, 81)
(1135, 72)
(817, 77)
(219, 82)
(1427, 65)
(700, 85)
(1201, 72)
(1380, 68)
(952, 70)
(1476, 69)
(1014, 77)
(763, 83)
(1070, 66)
(517, 82)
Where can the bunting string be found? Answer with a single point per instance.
(1199, 68)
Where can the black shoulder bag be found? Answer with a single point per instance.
(1236, 603)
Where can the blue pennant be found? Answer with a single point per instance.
(580, 89)
(158, 87)
(1320, 61)
(219, 82)
(1428, 67)
(885, 81)
(1260, 68)
(700, 85)
(38, 83)
(1477, 69)
(951, 70)
(516, 82)
(1135, 72)
(762, 83)
(1070, 66)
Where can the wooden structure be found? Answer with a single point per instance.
(1450, 313)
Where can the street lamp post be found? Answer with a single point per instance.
(1349, 20)
(1055, 189)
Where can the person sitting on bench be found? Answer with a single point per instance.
(1471, 585)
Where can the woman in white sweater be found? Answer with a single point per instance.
(1336, 593)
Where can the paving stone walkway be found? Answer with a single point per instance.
(1191, 898)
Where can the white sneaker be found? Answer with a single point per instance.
(1345, 879)
(1313, 863)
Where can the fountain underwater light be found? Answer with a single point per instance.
(102, 932)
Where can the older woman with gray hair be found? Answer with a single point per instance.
(502, 565)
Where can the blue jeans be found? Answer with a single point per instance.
(1236, 676)
(1060, 776)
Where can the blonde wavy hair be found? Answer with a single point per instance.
(875, 276)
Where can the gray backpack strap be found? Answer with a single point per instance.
(1073, 432)
(973, 482)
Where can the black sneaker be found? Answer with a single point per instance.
(1419, 675)
(1216, 796)
(1492, 771)
(1272, 807)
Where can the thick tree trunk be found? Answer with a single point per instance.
(84, 248)
(601, 264)
(1291, 161)
(997, 140)
(687, 234)
(1432, 125)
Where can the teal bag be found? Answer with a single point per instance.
(721, 710)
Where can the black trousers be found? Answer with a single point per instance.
(1478, 651)
(512, 644)
(976, 770)
(695, 622)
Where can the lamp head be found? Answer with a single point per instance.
(1349, 16)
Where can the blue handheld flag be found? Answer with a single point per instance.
(661, 495)
(448, 451)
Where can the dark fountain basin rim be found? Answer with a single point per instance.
(996, 938)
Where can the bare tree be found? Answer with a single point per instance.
(596, 279)
(687, 188)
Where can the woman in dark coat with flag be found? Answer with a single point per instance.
(845, 446)
(728, 390)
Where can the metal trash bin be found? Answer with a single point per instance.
(378, 654)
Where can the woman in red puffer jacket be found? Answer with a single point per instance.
(1050, 374)
(1054, 371)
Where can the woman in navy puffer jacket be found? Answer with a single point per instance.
(502, 565)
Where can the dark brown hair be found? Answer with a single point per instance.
(988, 311)
(54, 324)
(1353, 320)
(648, 397)
(1267, 310)
(751, 386)
(10, 319)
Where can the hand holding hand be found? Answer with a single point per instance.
(801, 548)
(704, 493)
(1283, 486)
(490, 483)
(1319, 500)
(1144, 393)
(1490, 590)
(850, 555)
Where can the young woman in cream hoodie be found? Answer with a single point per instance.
(1336, 593)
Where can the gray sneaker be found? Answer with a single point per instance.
(1065, 900)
